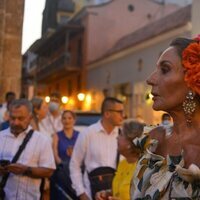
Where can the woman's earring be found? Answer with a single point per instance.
(189, 106)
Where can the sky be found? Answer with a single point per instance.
(32, 22)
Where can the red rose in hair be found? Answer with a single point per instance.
(191, 62)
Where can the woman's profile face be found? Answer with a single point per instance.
(123, 144)
(68, 120)
(42, 112)
(167, 81)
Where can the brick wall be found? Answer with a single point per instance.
(11, 20)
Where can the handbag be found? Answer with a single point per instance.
(101, 179)
(14, 160)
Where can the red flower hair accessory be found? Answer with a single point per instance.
(191, 62)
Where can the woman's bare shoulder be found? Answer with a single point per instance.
(158, 133)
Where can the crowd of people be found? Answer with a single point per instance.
(42, 156)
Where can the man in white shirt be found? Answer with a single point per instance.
(96, 147)
(36, 160)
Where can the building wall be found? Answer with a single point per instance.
(110, 22)
(195, 17)
(11, 19)
(133, 68)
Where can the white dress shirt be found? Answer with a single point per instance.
(37, 153)
(50, 125)
(95, 148)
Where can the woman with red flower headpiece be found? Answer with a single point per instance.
(170, 165)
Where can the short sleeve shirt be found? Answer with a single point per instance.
(37, 153)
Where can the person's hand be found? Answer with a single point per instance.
(84, 197)
(58, 161)
(3, 171)
(102, 195)
(190, 175)
(113, 198)
(105, 195)
(16, 168)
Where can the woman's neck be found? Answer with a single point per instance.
(180, 123)
(68, 132)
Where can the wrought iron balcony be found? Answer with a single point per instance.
(57, 67)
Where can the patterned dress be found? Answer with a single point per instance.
(156, 178)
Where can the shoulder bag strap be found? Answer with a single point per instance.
(118, 154)
(16, 157)
(117, 159)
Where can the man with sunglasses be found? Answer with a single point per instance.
(96, 148)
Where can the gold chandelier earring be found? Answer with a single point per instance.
(189, 106)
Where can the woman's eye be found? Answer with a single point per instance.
(165, 69)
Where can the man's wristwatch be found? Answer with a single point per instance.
(28, 171)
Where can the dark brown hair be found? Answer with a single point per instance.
(69, 111)
(180, 44)
(108, 102)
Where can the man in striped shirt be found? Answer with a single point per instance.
(36, 160)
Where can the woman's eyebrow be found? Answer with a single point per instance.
(164, 62)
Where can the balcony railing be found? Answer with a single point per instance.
(59, 64)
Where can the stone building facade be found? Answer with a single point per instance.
(11, 20)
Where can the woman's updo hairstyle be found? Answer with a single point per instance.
(132, 128)
(180, 44)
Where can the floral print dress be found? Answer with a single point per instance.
(155, 177)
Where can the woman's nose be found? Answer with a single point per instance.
(151, 80)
